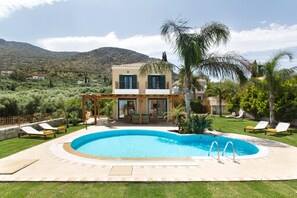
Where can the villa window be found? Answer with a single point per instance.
(156, 81)
(158, 106)
(128, 82)
(126, 106)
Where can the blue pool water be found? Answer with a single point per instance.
(150, 143)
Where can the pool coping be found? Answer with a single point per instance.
(67, 147)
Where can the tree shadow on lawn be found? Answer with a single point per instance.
(38, 137)
(235, 120)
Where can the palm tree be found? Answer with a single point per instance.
(272, 78)
(222, 90)
(195, 80)
(192, 47)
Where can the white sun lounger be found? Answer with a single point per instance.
(281, 127)
(260, 126)
(46, 126)
(31, 131)
(240, 114)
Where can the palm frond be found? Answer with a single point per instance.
(271, 65)
(157, 66)
(213, 33)
(173, 29)
(230, 65)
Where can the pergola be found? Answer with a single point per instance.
(140, 97)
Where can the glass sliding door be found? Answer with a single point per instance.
(157, 106)
(128, 82)
(156, 81)
(126, 106)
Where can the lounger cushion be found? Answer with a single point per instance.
(61, 128)
(250, 127)
(47, 132)
(271, 130)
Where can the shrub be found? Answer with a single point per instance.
(196, 106)
(200, 123)
(74, 118)
(196, 124)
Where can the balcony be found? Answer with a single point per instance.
(158, 88)
(121, 87)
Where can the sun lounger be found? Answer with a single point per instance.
(233, 115)
(31, 131)
(260, 126)
(241, 113)
(280, 128)
(46, 126)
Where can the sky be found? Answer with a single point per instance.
(259, 28)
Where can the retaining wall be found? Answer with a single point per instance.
(12, 132)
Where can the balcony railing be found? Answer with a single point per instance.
(157, 85)
(124, 85)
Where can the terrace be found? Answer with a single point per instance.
(52, 157)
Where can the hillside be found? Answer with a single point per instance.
(27, 57)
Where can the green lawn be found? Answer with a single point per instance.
(14, 145)
(230, 125)
(193, 189)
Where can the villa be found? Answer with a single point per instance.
(145, 95)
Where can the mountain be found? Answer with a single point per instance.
(27, 57)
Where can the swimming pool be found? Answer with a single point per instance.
(139, 143)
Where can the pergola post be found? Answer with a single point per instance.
(95, 109)
(140, 110)
(83, 108)
(98, 107)
(170, 100)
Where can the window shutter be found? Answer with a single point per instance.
(162, 82)
(150, 82)
(122, 83)
(134, 82)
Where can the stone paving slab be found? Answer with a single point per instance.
(277, 162)
(8, 167)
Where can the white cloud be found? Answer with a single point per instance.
(9, 6)
(273, 37)
(249, 42)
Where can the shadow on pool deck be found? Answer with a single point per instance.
(117, 123)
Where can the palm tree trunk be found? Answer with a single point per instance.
(188, 95)
(188, 101)
(271, 108)
(220, 103)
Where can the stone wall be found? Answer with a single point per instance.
(12, 132)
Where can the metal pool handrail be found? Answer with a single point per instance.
(215, 142)
(233, 148)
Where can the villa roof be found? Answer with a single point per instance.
(130, 65)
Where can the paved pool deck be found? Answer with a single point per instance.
(276, 161)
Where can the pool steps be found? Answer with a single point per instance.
(226, 146)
